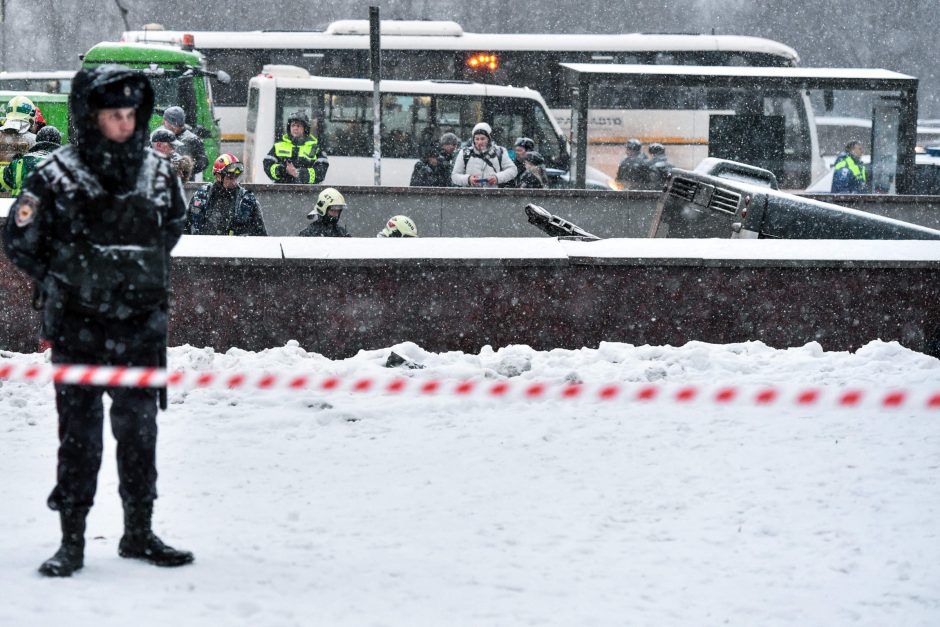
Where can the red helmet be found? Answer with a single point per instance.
(39, 119)
(227, 164)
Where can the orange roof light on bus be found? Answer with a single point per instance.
(188, 41)
(483, 61)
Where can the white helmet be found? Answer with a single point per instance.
(329, 197)
(399, 226)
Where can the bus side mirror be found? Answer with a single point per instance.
(829, 100)
(223, 77)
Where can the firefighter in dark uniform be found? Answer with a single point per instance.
(94, 228)
(297, 157)
(224, 207)
(325, 215)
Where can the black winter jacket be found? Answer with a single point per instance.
(94, 232)
(427, 175)
(319, 228)
(193, 147)
(214, 211)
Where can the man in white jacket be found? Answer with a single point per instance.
(484, 163)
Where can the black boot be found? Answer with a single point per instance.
(139, 541)
(71, 554)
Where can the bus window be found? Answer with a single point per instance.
(507, 122)
(512, 118)
(796, 148)
(458, 115)
(290, 101)
(547, 141)
(44, 85)
(665, 58)
(415, 65)
(615, 96)
(406, 125)
(347, 124)
(337, 63)
(792, 161)
(251, 122)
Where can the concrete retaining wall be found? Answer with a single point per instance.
(256, 293)
(449, 212)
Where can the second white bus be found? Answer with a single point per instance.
(413, 114)
(415, 50)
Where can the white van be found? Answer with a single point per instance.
(414, 113)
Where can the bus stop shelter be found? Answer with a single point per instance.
(900, 91)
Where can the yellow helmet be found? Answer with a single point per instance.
(399, 226)
(21, 108)
(329, 197)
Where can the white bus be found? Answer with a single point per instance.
(414, 113)
(414, 50)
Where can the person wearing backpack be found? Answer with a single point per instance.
(484, 163)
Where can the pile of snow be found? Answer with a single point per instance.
(307, 508)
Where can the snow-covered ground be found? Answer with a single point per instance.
(315, 509)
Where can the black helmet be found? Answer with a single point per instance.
(534, 157)
(634, 145)
(525, 143)
(657, 149)
(49, 134)
(103, 87)
(299, 116)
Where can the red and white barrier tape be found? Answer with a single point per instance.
(755, 395)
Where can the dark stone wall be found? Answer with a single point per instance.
(338, 308)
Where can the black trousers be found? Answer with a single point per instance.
(81, 420)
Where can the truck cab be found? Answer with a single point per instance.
(179, 77)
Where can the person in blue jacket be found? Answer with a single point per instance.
(849, 176)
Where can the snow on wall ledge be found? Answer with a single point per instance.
(636, 251)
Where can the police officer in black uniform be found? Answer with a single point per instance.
(94, 227)
(634, 171)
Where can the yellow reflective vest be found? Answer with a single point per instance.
(304, 157)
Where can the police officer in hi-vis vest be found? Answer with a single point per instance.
(849, 176)
(296, 158)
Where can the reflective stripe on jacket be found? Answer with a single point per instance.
(848, 176)
(853, 166)
(303, 156)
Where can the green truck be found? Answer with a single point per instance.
(179, 77)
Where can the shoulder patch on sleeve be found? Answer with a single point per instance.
(26, 208)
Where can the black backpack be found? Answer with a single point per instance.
(468, 152)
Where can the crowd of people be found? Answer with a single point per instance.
(479, 163)
(223, 206)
